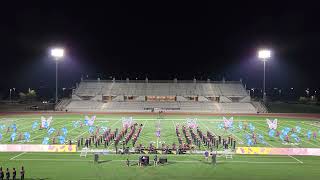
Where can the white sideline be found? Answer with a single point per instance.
(17, 155)
(80, 160)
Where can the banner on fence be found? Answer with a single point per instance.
(279, 151)
(37, 148)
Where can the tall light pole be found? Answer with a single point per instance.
(10, 94)
(264, 55)
(57, 54)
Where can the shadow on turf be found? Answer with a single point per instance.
(104, 161)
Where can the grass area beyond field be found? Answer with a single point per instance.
(246, 167)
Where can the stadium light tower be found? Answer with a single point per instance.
(57, 54)
(264, 55)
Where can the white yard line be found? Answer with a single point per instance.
(18, 155)
(296, 159)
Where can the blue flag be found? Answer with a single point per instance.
(27, 136)
(34, 125)
(295, 137)
(50, 131)
(61, 139)
(0, 136)
(14, 127)
(13, 136)
(75, 124)
(309, 133)
(240, 125)
(64, 131)
(2, 127)
(271, 133)
(251, 127)
(45, 140)
(298, 129)
(91, 129)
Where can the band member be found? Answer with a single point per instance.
(155, 160)
(128, 162)
(214, 158)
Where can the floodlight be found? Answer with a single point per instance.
(264, 54)
(57, 53)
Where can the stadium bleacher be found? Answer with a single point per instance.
(142, 96)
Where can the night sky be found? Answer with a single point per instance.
(160, 40)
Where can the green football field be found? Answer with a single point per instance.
(167, 125)
(188, 166)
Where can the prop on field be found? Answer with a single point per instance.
(192, 123)
(309, 133)
(64, 131)
(13, 136)
(251, 127)
(273, 124)
(127, 122)
(45, 123)
(228, 123)
(50, 131)
(272, 133)
(295, 137)
(34, 125)
(76, 124)
(27, 136)
(89, 121)
(61, 139)
(45, 140)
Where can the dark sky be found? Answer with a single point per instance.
(161, 40)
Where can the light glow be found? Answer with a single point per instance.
(264, 54)
(57, 53)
